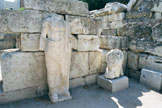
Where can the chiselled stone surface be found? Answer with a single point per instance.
(151, 79)
(150, 62)
(112, 42)
(74, 42)
(79, 64)
(133, 60)
(110, 8)
(20, 21)
(83, 25)
(58, 6)
(114, 60)
(30, 42)
(113, 85)
(157, 32)
(55, 42)
(22, 70)
(88, 43)
(94, 62)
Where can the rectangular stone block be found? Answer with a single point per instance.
(22, 70)
(72, 7)
(77, 82)
(79, 64)
(91, 79)
(133, 60)
(150, 62)
(113, 85)
(17, 95)
(94, 62)
(88, 43)
(83, 25)
(30, 42)
(113, 42)
(151, 79)
(112, 32)
(114, 17)
(20, 21)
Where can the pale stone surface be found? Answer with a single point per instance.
(83, 25)
(74, 42)
(94, 62)
(1, 36)
(79, 64)
(113, 85)
(17, 95)
(130, 4)
(20, 21)
(118, 24)
(133, 60)
(22, 70)
(157, 7)
(77, 82)
(114, 17)
(58, 6)
(30, 42)
(157, 32)
(110, 8)
(112, 42)
(112, 32)
(151, 79)
(150, 62)
(55, 42)
(42, 90)
(88, 43)
(91, 79)
(114, 60)
(137, 14)
(158, 15)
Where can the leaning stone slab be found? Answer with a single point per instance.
(88, 43)
(151, 79)
(22, 70)
(58, 6)
(83, 25)
(113, 85)
(30, 42)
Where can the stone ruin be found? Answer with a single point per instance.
(135, 29)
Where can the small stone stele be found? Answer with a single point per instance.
(114, 60)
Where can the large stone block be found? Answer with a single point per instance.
(79, 64)
(83, 25)
(151, 78)
(113, 42)
(20, 21)
(72, 7)
(30, 42)
(88, 43)
(150, 62)
(77, 82)
(113, 85)
(94, 62)
(133, 60)
(17, 95)
(22, 70)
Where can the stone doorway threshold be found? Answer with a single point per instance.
(92, 96)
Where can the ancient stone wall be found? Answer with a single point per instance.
(137, 33)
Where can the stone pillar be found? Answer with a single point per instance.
(55, 42)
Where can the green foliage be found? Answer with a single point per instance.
(98, 4)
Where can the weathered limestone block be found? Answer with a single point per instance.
(114, 60)
(22, 70)
(94, 62)
(58, 6)
(114, 17)
(157, 7)
(79, 64)
(88, 43)
(17, 95)
(157, 32)
(91, 79)
(113, 85)
(77, 82)
(150, 62)
(110, 8)
(136, 14)
(30, 42)
(20, 21)
(133, 60)
(113, 42)
(83, 25)
(112, 32)
(151, 79)
(74, 42)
